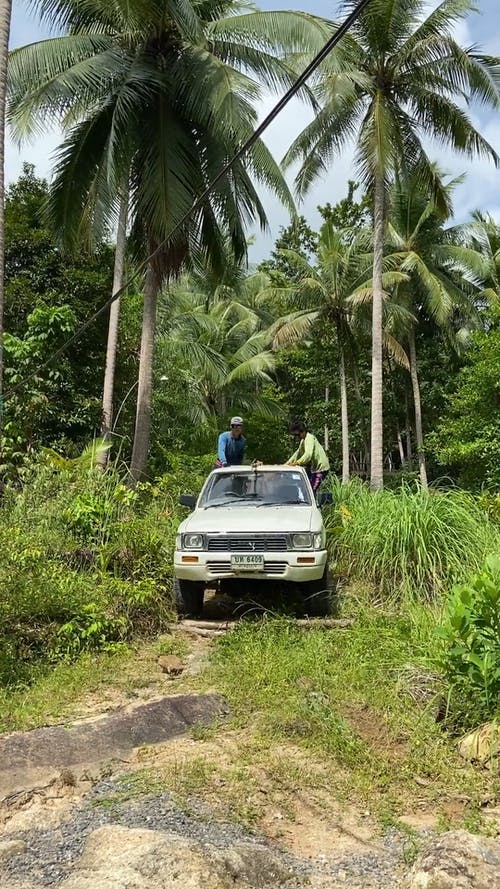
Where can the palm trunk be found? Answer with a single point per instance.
(364, 455)
(140, 450)
(409, 450)
(418, 410)
(114, 317)
(401, 448)
(5, 15)
(376, 444)
(326, 431)
(344, 416)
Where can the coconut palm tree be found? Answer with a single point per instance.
(335, 291)
(479, 242)
(113, 326)
(5, 15)
(398, 76)
(162, 93)
(218, 332)
(442, 277)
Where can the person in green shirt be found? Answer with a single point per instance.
(309, 454)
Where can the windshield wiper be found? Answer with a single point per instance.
(231, 503)
(283, 503)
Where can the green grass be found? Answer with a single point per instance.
(60, 692)
(346, 716)
(362, 699)
(409, 543)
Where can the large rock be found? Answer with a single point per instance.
(118, 857)
(36, 757)
(457, 860)
(482, 745)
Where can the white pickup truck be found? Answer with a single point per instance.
(253, 524)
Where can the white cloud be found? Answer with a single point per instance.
(480, 189)
(329, 189)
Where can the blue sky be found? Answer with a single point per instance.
(480, 189)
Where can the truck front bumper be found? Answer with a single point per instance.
(296, 567)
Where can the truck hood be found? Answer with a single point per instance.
(249, 519)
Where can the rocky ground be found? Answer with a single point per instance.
(118, 836)
(77, 812)
(108, 835)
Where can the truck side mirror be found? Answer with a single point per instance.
(188, 500)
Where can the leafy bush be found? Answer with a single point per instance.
(89, 630)
(490, 502)
(409, 543)
(471, 634)
(85, 562)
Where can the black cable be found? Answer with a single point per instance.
(301, 80)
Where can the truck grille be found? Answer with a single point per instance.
(248, 544)
(221, 567)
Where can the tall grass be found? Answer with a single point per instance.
(409, 543)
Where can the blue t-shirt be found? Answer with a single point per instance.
(230, 451)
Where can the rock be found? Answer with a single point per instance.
(28, 758)
(9, 848)
(457, 860)
(170, 664)
(482, 745)
(118, 857)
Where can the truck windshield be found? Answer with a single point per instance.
(263, 488)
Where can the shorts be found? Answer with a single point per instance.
(316, 478)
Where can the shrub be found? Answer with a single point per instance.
(471, 636)
(85, 562)
(490, 502)
(410, 543)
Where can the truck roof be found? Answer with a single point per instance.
(264, 467)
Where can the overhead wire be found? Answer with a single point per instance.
(198, 203)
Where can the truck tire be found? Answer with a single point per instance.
(188, 597)
(320, 596)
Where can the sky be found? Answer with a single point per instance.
(481, 187)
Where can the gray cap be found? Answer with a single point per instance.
(236, 421)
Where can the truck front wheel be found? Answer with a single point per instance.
(320, 596)
(189, 595)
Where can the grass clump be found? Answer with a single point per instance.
(410, 543)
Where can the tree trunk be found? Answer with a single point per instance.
(344, 417)
(418, 410)
(114, 317)
(376, 444)
(140, 450)
(401, 448)
(5, 15)
(409, 450)
(327, 432)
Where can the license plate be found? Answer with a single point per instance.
(251, 562)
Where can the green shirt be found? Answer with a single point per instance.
(310, 453)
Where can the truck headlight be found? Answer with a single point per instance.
(318, 541)
(193, 541)
(302, 541)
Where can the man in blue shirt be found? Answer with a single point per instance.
(231, 445)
